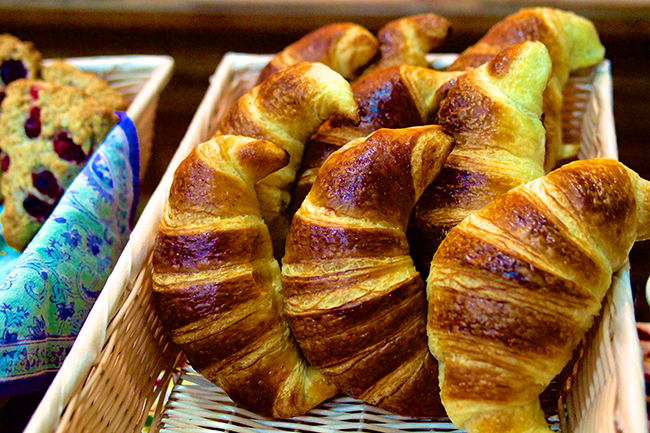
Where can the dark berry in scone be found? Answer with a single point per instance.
(18, 59)
(47, 133)
(62, 72)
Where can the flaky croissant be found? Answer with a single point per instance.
(216, 285)
(344, 47)
(573, 43)
(514, 287)
(287, 109)
(354, 301)
(407, 41)
(394, 97)
(494, 114)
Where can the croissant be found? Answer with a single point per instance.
(573, 43)
(216, 285)
(394, 97)
(287, 109)
(353, 299)
(407, 41)
(494, 114)
(344, 47)
(514, 287)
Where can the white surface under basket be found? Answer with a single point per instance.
(122, 365)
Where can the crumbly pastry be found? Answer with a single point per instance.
(216, 284)
(514, 287)
(572, 42)
(47, 132)
(62, 72)
(19, 60)
(354, 300)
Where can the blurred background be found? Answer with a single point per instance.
(198, 33)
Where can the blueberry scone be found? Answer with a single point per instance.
(47, 132)
(62, 72)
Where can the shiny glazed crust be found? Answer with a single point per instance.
(494, 114)
(394, 97)
(344, 47)
(217, 285)
(287, 109)
(514, 287)
(572, 42)
(354, 301)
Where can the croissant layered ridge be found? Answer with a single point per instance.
(352, 50)
(287, 109)
(494, 113)
(344, 47)
(217, 287)
(354, 301)
(407, 41)
(573, 43)
(393, 97)
(514, 287)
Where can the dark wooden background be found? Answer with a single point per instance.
(197, 35)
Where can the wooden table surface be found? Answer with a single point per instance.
(198, 34)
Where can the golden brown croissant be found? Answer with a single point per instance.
(573, 43)
(354, 301)
(514, 287)
(494, 114)
(344, 47)
(407, 41)
(395, 97)
(287, 109)
(217, 286)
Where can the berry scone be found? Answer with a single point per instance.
(47, 131)
(62, 72)
(18, 59)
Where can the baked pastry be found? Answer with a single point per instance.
(515, 286)
(494, 113)
(344, 47)
(19, 59)
(62, 72)
(407, 41)
(394, 97)
(47, 132)
(354, 301)
(287, 109)
(573, 43)
(216, 285)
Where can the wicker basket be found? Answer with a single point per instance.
(140, 79)
(123, 368)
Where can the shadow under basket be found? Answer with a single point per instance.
(124, 374)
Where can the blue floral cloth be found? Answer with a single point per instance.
(48, 290)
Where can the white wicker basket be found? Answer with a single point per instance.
(123, 367)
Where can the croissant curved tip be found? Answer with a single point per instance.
(521, 72)
(255, 158)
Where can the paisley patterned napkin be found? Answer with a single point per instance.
(48, 290)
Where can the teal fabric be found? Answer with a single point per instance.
(48, 290)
